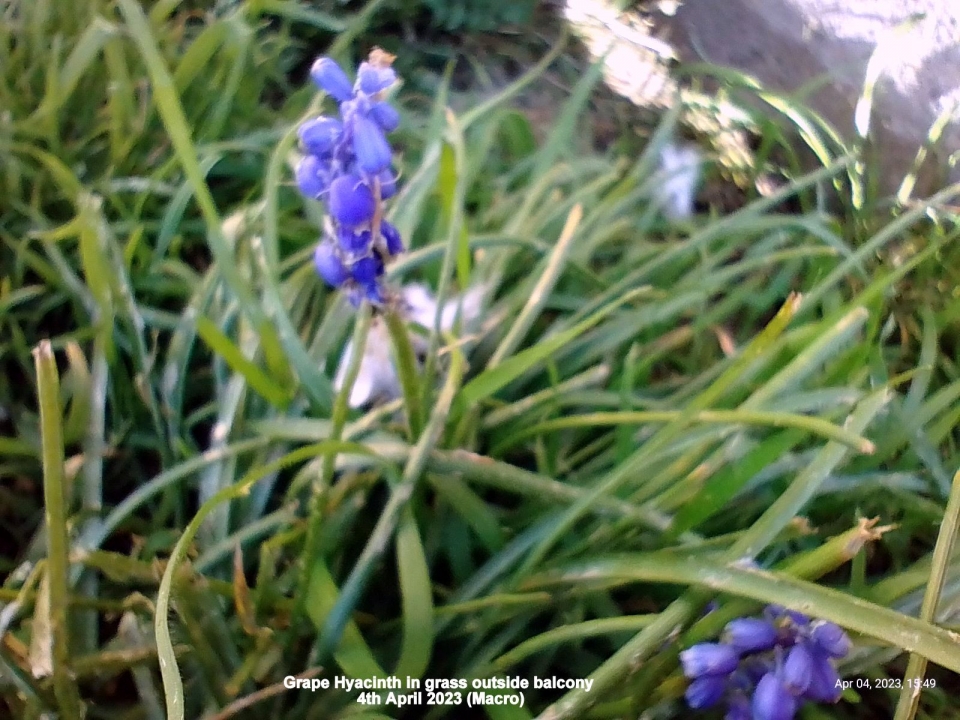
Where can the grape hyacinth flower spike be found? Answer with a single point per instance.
(347, 165)
(766, 668)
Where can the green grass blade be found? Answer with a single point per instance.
(917, 665)
(399, 497)
(257, 379)
(609, 484)
(490, 381)
(805, 485)
(882, 624)
(297, 12)
(724, 485)
(353, 655)
(172, 113)
(55, 499)
(417, 600)
(169, 667)
(812, 425)
(555, 264)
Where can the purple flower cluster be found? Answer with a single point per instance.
(347, 164)
(765, 668)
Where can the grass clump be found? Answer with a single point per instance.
(651, 415)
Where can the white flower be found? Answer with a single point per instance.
(680, 166)
(377, 378)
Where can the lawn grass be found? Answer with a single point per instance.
(191, 512)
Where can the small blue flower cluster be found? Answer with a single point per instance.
(347, 163)
(765, 668)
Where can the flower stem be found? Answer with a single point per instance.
(337, 421)
(407, 371)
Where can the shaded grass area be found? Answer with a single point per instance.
(645, 405)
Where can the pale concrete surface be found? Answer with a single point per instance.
(789, 43)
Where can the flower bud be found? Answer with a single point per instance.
(797, 670)
(385, 116)
(321, 135)
(375, 78)
(354, 242)
(331, 78)
(391, 236)
(709, 659)
(370, 146)
(830, 638)
(748, 635)
(772, 701)
(329, 266)
(367, 270)
(824, 681)
(705, 692)
(312, 177)
(350, 202)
